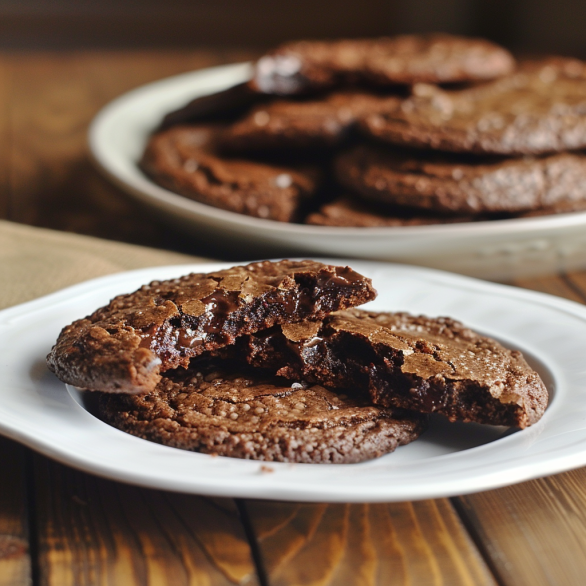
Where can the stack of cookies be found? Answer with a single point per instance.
(384, 132)
(273, 361)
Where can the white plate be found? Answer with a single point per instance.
(497, 250)
(449, 459)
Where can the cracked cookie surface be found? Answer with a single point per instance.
(404, 361)
(248, 414)
(540, 108)
(126, 345)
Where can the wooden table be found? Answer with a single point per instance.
(60, 527)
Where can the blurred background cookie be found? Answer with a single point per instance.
(184, 159)
(540, 108)
(349, 212)
(462, 184)
(425, 364)
(314, 123)
(306, 66)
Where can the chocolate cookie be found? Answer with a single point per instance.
(564, 207)
(184, 159)
(348, 212)
(305, 66)
(403, 361)
(463, 185)
(126, 345)
(302, 124)
(539, 109)
(251, 415)
(224, 106)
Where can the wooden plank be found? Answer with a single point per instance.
(15, 563)
(559, 285)
(577, 281)
(54, 97)
(97, 532)
(379, 544)
(535, 532)
(4, 135)
(66, 23)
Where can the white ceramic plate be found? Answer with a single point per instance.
(494, 250)
(449, 459)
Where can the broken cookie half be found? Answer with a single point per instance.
(428, 365)
(126, 345)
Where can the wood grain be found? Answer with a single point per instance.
(69, 23)
(100, 533)
(535, 532)
(15, 562)
(52, 101)
(577, 282)
(5, 90)
(560, 286)
(377, 544)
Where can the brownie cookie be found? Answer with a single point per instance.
(347, 212)
(303, 123)
(224, 106)
(184, 159)
(565, 207)
(126, 345)
(403, 361)
(306, 66)
(539, 109)
(463, 185)
(251, 415)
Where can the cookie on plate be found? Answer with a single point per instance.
(126, 345)
(463, 185)
(224, 106)
(307, 66)
(314, 123)
(541, 108)
(564, 207)
(184, 159)
(429, 365)
(348, 212)
(218, 410)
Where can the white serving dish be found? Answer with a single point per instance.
(498, 250)
(449, 459)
